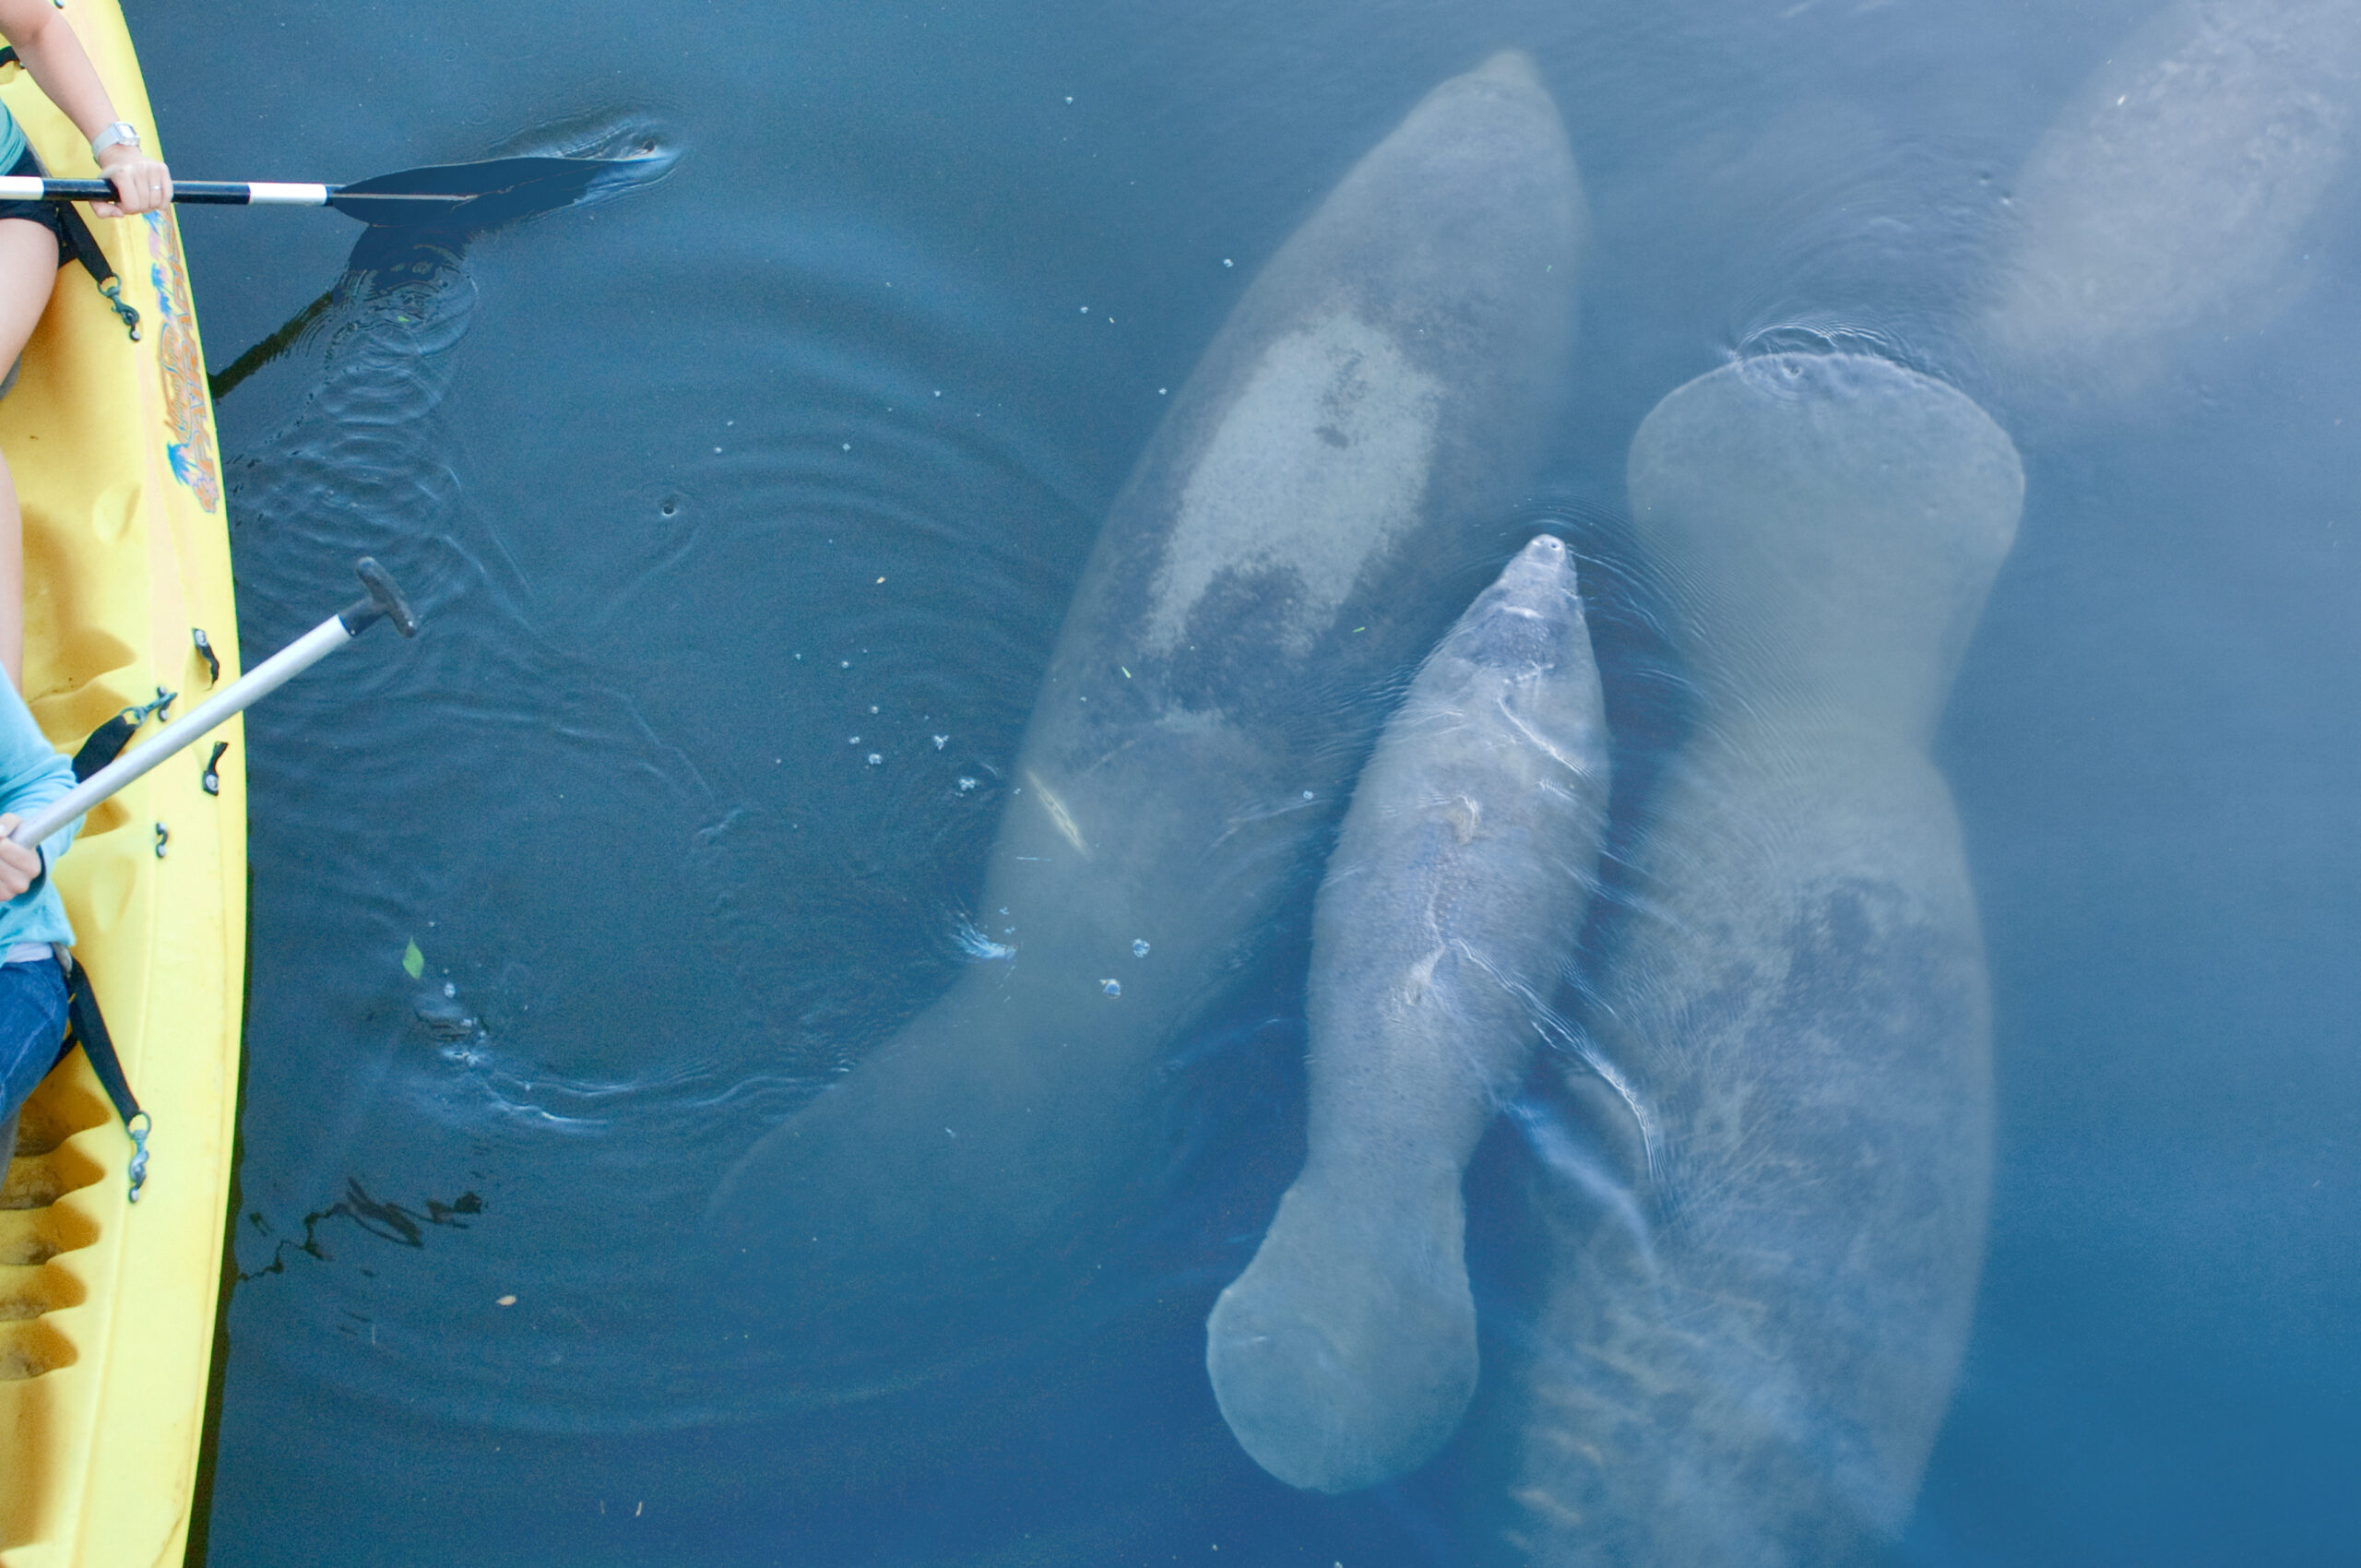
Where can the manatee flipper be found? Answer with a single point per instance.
(1753, 1372)
(1346, 1353)
(2170, 192)
(1385, 385)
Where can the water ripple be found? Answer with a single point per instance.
(677, 794)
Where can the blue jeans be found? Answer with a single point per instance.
(32, 1026)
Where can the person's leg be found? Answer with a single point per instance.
(32, 1025)
(28, 272)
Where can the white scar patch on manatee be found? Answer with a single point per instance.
(1320, 465)
(1058, 815)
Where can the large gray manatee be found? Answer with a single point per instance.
(2168, 194)
(1383, 388)
(1346, 1353)
(1764, 1228)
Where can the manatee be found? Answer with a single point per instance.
(2169, 192)
(1346, 1353)
(1759, 1251)
(1382, 388)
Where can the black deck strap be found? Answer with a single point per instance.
(211, 778)
(205, 651)
(84, 244)
(94, 261)
(86, 1027)
(106, 742)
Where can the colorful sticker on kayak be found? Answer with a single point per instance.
(188, 410)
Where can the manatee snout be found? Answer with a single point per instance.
(1528, 619)
(1535, 566)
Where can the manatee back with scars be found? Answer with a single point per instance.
(1741, 1357)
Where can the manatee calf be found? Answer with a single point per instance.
(1743, 1358)
(2169, 192)
(1383, 387)
(1346, 1353)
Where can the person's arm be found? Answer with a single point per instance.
(44, 40)
(32, 774)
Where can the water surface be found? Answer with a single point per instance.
(745, 508)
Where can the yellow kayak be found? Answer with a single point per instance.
(107, 1306)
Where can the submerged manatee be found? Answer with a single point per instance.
(1346, 1353)
(2170, 193)
(1743, 1361)
(1384, 386)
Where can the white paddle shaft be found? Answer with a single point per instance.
(256, 683)
(267, 193)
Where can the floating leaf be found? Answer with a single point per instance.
(413, 961)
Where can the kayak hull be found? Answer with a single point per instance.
(107, 1306)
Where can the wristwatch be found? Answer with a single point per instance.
(122, 131)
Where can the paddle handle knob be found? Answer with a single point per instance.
(385, 599)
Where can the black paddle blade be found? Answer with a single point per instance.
(485, 195)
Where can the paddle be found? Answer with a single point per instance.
(434, 197)
(383, 601)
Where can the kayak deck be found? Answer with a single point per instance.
(107, 1307)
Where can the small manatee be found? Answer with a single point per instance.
(1346, 1353)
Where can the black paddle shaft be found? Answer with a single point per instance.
(429, 196)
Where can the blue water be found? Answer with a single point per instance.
(716, 490)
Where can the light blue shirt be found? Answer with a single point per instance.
(31, 775)
(12, 140)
